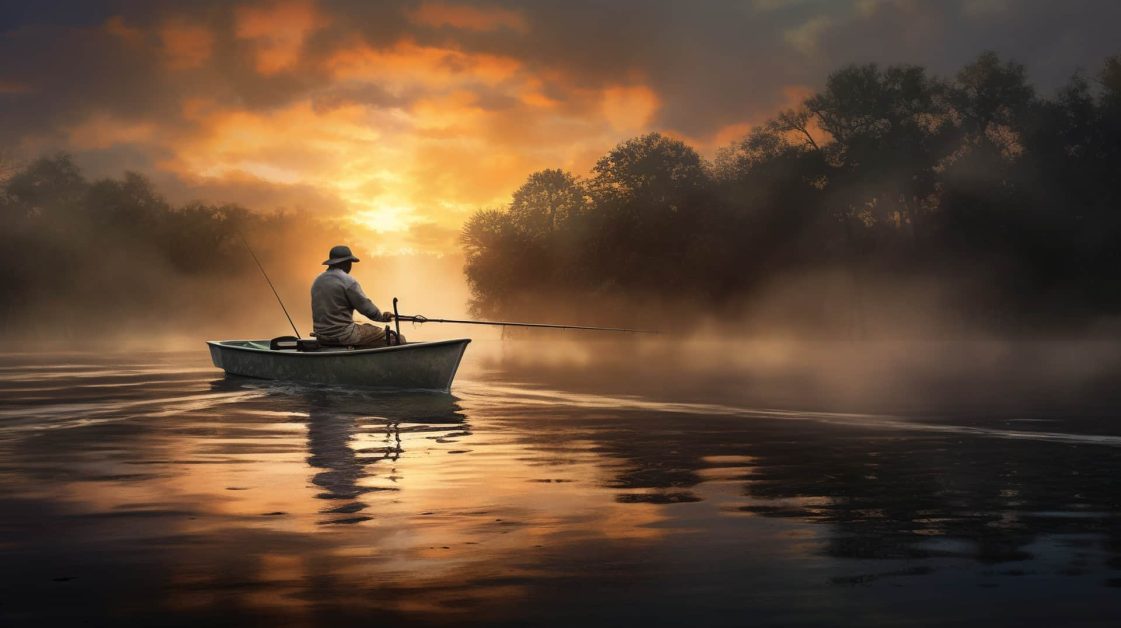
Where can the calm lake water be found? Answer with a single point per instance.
(585, 485)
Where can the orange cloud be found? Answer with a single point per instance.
(730, 133)
(187, 45)
(290, 144)
(532, 93)
(456, 112)
(629, 108)
(102, 131)
(277, 31)
(409, 64)
(438, 14)
(449, 185)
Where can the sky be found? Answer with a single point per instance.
(405, 117)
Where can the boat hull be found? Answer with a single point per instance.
(413, 366)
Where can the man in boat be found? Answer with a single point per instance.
(335, 295)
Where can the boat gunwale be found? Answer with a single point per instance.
(342, 352)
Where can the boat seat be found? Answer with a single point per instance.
(289, 343)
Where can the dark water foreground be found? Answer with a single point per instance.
(150, 490)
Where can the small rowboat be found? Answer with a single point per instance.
(411, 366)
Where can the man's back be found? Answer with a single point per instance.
(334, 297)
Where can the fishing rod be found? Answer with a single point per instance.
(418, 318)
(275, 293)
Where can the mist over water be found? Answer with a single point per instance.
(571, 479)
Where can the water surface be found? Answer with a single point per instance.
(605, 487)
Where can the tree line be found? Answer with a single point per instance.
(1008, 200)
(81, 258)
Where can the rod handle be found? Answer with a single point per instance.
(396, 321)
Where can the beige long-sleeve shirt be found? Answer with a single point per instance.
(334, 297)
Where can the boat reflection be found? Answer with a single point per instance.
(345, 441)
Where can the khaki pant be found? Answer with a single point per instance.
(367, 335)
(363, 335)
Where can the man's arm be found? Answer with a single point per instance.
(363, 304)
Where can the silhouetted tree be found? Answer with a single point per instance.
(895, 175)
(650, 192)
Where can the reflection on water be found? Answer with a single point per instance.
(151, 491)
(334, 424)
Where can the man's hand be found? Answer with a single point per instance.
(386, 317)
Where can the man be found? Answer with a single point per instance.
(334, 297)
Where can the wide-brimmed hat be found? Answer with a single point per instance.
(340, 254)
